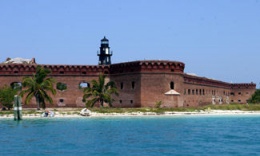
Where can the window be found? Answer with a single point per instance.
(84, 85)
(16, 85)
(107, 52)
(188, 91)
(120, 101)
(61, 100)
(121, 85)
(172, 85)
(61, 86)
(131, 101)
(133, 85)
(61, 72)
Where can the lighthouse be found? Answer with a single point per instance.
(104, 53)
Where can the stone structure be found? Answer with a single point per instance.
(140, 83)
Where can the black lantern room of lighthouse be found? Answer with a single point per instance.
(104, 53)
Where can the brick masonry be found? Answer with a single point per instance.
(140, 84)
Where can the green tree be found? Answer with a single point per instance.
(39, 86)
(255, 97)
(61, 86)
(100, 92)
(7, 96)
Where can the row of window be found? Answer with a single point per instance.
(59, 86)
(203, 92)
(63, 86)
(194, 91)
(132, 85)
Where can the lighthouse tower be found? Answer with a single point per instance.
(104, 53)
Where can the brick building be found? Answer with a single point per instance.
(140, 83)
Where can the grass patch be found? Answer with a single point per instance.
(6, 113)
(142, 110)
(107, 110)
(242, 107)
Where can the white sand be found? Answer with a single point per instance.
(95, 114)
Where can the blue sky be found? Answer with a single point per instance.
(218, 39)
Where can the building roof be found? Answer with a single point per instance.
(172, 92)
(104, 39)
(19, 60)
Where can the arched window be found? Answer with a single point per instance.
(61, 86)
(84, 85)
(121, 85)
(133, 85)
(172, 85)
(16, 85)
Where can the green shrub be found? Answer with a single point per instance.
(255, 97)
(7, 94)
(61, 86)
(158, 104)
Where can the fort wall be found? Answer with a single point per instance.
(140, 84)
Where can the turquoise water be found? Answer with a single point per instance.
(160, 135)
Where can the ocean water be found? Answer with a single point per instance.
(144, 136)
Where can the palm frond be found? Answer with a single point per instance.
(38, 85)
(100, 92)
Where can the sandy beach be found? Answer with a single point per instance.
(76, 113)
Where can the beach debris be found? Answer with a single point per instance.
(48, 113)
(85, 112)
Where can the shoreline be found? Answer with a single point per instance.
(140, 114)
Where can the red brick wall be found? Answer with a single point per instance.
(151, 81)
(129, 94)
(155, 85)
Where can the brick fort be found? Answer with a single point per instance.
(140, 83)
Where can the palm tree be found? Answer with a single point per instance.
(38, 86)
(100, 92)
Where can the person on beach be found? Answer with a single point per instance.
(46, 113)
